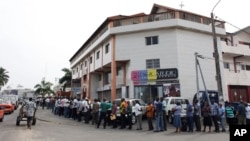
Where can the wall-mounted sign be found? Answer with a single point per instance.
(167, 73)
(154, 74)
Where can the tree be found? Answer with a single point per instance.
(43, 88)
(4, 78)
(66, 79)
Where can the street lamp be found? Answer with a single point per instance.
(217, 58)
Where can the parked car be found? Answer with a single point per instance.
(132, 102)
(171, 103)
(14, 99)
(1, 113)
(8, 107)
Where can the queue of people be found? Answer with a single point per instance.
(104, 113)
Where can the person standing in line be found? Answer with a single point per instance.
(43, 102)
(197, 115)
(113, 113)
(189, 114)
(30, 110)
(138, 114)
(95, 111)
(123, 113)
(207, 121)
(215, 115)
(74, 109)
(86, 110)
(164, 115)
(103, 114)
(149, 114)
(156, 114)
(248, 114)
(109, 111)
(79, 110)
(129, 114)
(222, 117)
(230, 116)
(241, 113)
(177, 117)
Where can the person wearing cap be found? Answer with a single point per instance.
(30, 110)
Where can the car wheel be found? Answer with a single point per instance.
(134, 119)
(170, 118)
(18, 119)
(1, 120)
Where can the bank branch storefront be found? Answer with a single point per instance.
(152, 83)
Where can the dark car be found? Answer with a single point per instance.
(207, 96)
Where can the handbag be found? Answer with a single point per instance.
(112, 117)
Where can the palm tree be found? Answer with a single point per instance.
(43, 88)
(66, 79)
(4, 78)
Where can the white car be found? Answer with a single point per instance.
(171, 103)
(132, 101)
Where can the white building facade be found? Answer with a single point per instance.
(148, 56)
(236, 58)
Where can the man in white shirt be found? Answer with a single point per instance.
(86, 110)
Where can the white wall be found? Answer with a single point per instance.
(188, 44)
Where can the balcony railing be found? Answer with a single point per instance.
(167, 16)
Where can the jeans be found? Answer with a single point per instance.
(159, 122)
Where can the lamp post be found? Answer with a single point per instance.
(217, 58)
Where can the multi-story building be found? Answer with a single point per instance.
(147, 56)
(236, 58)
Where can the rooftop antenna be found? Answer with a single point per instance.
(181, 5)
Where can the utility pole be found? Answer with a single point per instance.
(217, 58)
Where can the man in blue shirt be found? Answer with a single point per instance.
(190, 121)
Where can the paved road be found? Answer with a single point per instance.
(50, 127)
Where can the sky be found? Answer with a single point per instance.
(38, 37)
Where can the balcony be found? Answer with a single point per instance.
(167, 16)
(240, 77)
(235, 50)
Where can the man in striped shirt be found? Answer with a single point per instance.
(229, 111)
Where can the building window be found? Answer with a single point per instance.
(90, 60)
(107, 48)
(152, 40)
(248, 67)
(153, 63)
(85, 63)
(226, 65)
(100, 77)
(243, 67)
(107, 78)
(117, 70)
(97, 55)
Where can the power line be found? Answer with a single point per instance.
(233, 25)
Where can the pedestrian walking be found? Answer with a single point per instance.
(30, 110)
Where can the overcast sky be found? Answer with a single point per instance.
(38, 37)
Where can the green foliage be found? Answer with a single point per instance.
(4, 77)
(43, 88)
(66, 79)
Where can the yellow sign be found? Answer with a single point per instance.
(152, 75)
